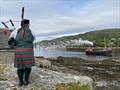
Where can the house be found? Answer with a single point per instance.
(4, 35)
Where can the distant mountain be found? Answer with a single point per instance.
(112, 37)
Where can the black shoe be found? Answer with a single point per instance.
(20, 84)
(27, 74)
(20, 73)
(26, 83)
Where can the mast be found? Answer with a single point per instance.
(105, 43)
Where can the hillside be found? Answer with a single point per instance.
(112, 37)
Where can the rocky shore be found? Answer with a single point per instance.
(41, 79)
(62, 73)
(44, 76)
(106, 73)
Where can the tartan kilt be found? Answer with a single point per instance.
(24, 58)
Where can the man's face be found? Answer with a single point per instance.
(26, 25)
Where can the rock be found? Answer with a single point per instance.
(42, 62)
(43, 79)
(90, 68)
(40, 78)
(101, 84)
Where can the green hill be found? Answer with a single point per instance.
(112, 37)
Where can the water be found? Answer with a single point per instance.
(52, 52)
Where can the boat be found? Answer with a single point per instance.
(102, 52)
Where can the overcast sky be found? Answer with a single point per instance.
(55, 18)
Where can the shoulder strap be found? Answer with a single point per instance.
(18, 30)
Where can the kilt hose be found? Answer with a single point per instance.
(24, 58)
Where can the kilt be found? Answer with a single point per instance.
(24, 58)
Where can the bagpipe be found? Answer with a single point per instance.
(11, 21)
(11, 41)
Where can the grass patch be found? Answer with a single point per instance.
(71, 86)
(2, 70)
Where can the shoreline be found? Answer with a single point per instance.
(82, 49)
(106, 71)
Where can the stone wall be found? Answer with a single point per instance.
(6, 56)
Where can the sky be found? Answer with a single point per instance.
(55, 18)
